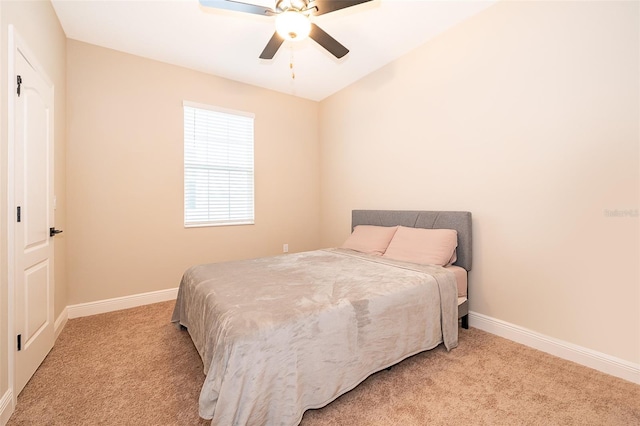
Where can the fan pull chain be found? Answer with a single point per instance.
(293, 73)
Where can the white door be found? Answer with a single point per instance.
(33, 195)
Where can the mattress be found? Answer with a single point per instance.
(461, 279)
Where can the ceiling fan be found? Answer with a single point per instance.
(292, 20)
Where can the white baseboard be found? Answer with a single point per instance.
(61, 321)
(118, 303)
(6, 407)
(578, 354)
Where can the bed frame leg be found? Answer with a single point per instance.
(465, 322)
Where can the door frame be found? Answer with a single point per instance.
(17, 46)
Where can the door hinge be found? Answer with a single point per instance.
(18, 214)
(19, 83)
(19, 342)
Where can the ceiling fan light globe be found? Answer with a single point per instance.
(293, 26)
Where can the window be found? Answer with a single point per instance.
(218, 166)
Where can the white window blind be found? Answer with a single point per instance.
(218, 166)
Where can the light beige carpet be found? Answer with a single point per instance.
(134, 367)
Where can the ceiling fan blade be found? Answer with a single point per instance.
(272, 46)
(237, 6)
(326, 6)
(328, 42)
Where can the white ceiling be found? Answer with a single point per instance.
(227, 43)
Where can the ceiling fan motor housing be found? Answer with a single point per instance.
(292, 5)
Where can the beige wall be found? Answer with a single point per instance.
(527, 116)
(38, 26)
(125, 174)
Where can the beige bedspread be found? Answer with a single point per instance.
(283, 334)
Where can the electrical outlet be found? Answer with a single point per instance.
(285, 248)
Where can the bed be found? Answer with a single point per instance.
(283, 334)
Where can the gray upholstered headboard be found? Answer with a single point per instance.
(460, 221)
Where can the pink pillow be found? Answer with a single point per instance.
(424, 246)
(370, 239)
